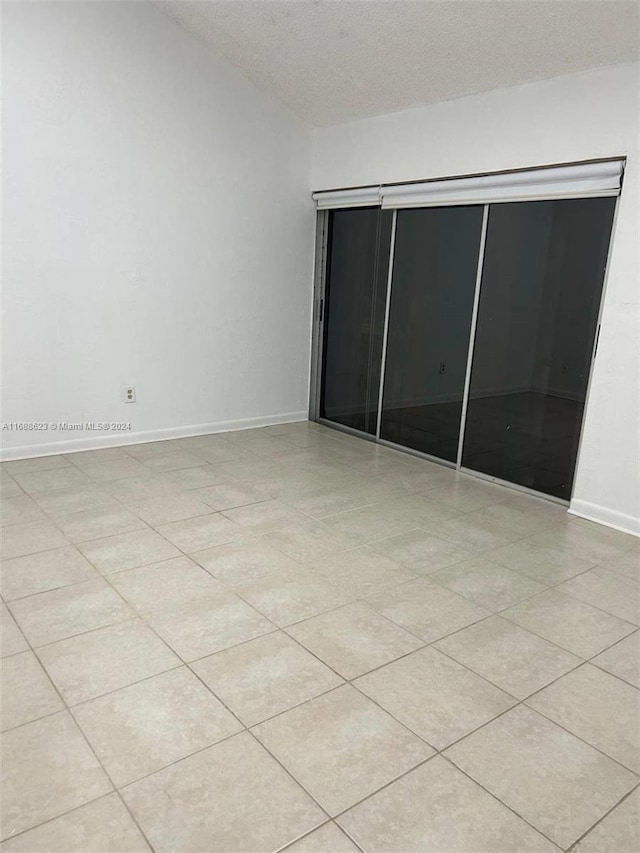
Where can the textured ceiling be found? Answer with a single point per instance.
(335, 60)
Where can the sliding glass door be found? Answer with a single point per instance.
(354, 308)
(540, 295)
(466, 332)
(433, 283)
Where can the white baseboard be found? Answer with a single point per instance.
(98, 442)
(608, 517)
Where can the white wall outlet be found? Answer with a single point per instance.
(129, 393)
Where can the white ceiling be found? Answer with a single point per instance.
(335, 60)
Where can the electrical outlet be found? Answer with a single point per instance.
(443, 367)
(129, 393)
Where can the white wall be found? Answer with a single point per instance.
(577, 117)
(158, 230)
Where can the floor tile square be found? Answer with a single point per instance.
(264, 517)
(128, 551)
(97, 523)
(165, 586)
(21, 539)
(21, 508)
(519, 517)
(341, 747)
(368, 524)
(475, 533)
(310, 540)
(623, 659)
(43, 571)
(264, 677)
(328, 839)
(290, 596)
(172, 461)
(197, 534)
(144, 487)
(230, 495)
(510, 657)
(427, 610)
(47, 769)
(116, 469)
(8, 486)
(486, 583)
(627, 564)
(95, 663)
(239, 563)
(217, 454)
(619, 832)
(327, 503)
(12, 640)
(39, 463)
(569, 623)
(203, 629)
(354, 639)
(418, 510)
(598, 708)
(608, 591)
(60, 613)
(82, 458)
(147, 449)
(435, 697)
(588, 540)
(103, 826)
(557, 783)
(199, 478)
(266, 445)
(362, 572)
(420, 551)
(141, 728)
(538, 560)
(437, 808)
(466, 493)
(190, 609)
(49, 480)
(27, 693)
(74, 499)
(230, 796)
(174, 507)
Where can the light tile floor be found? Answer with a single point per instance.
(291, 639)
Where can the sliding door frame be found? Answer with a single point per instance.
(317, 326)
(472, 334)
(605, 280)
(385, 333)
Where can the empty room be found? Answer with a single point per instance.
(320, 407)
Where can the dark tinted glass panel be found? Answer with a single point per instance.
(541, 285)
(355, 296)
(434, 274)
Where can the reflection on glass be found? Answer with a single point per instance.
(355, 295)
(433, 283)
(539, 299)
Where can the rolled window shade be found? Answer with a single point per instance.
(366, 197)
(580, 181)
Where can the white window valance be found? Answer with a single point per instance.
(583, 180)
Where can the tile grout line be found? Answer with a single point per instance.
(67, 710)
(230, 711)
(600, 820)
(495, 797)
(329, 822)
